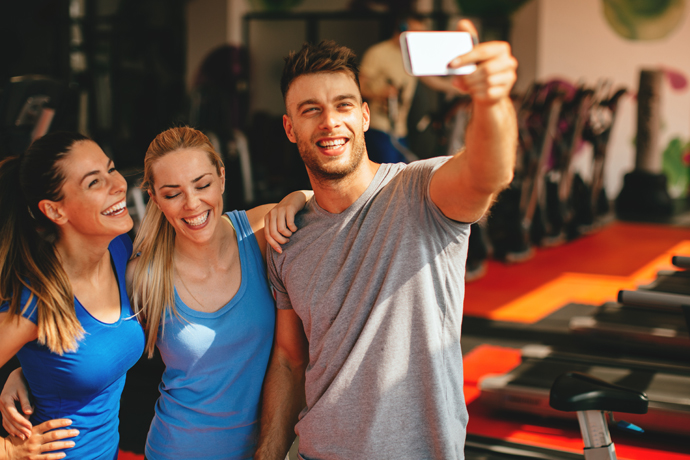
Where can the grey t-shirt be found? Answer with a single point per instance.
(379, 289)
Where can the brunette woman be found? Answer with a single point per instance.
(65, 311)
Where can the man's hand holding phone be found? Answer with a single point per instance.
(495, 74)
(486, 71)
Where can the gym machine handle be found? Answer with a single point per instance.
(652, 299)
(681, 261)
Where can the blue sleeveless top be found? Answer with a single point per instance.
(214, 368)
(85, 386)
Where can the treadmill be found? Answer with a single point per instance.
(654, 319)
(526, 388)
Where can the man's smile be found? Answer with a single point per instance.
(332, 145)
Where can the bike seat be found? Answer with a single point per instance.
(574, 391)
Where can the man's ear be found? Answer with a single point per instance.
(53, 211)
(287, 125)
(366, 114)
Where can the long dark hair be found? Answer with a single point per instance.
(27, 252)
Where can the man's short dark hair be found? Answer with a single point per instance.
(327, 56)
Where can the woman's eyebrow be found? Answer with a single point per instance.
(95, 171)
(194, 181)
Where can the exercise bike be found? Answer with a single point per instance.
(593, 399)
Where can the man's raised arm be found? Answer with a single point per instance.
(283, 392)
(465, 186)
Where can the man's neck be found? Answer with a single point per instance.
(335, 196)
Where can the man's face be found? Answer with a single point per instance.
(327, 119)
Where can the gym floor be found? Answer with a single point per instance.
(532, 303)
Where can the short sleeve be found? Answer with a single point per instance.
(278, 290)
(416, 181)
(31, 312)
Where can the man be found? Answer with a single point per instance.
(370, 289)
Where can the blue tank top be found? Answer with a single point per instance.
(85, 386)
(214, 368)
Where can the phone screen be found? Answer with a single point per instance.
(429, 53)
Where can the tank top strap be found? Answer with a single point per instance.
(240, 223)
(245, 235)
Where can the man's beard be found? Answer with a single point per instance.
(309, 153)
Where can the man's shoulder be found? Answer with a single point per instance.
(416, 168)
(409, 182)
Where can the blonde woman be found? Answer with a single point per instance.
(63, 306)
(200, 284)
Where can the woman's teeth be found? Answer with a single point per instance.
(195, 222)
(116, 209)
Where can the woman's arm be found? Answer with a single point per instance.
(275, 224)
(280, 221)
(16, 390)
(14, 334)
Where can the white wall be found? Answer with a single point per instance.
(523, 40)
(575, 41)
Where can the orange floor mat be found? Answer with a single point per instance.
(590, 269)
(488, 359)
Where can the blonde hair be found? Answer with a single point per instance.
(153, 295)
(28, 259)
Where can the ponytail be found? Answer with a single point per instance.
(15, 232)
(153, 294)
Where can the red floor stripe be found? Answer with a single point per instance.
(123, 455)
(619, 249)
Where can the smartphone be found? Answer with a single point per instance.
(429, 53)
